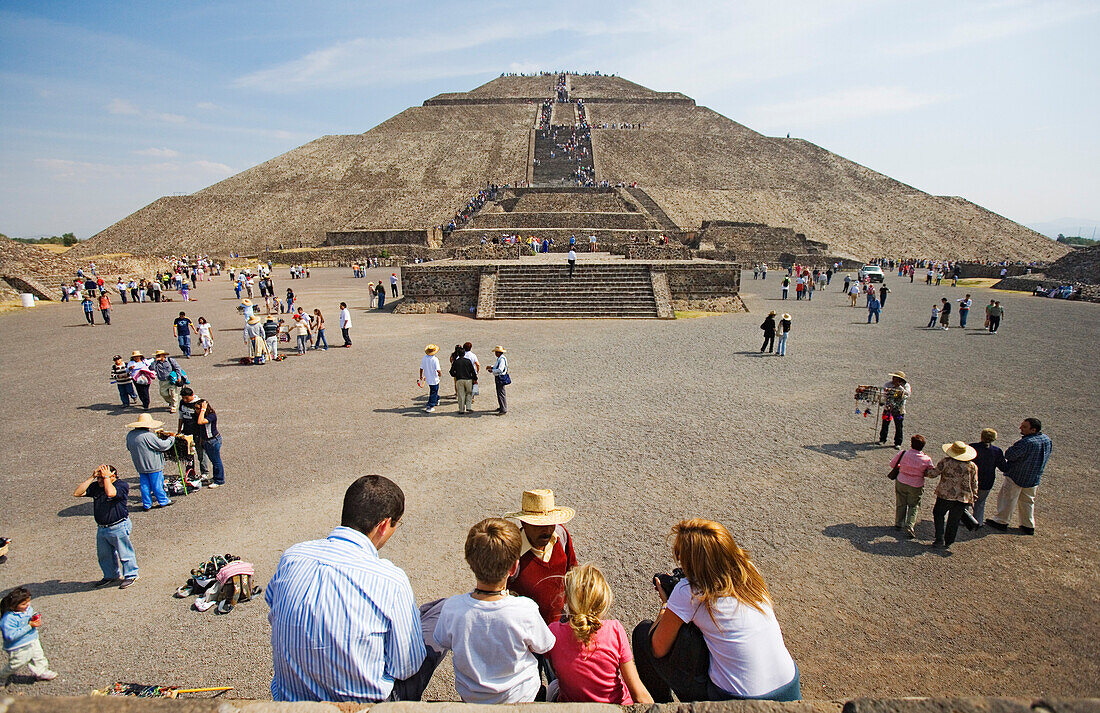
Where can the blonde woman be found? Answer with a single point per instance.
(716, 637)
(592, 656)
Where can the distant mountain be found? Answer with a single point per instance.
(1082, 227)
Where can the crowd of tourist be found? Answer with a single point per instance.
(473, 205)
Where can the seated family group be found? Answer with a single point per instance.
(346, 627)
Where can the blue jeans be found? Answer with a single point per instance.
(872, 313)
(781, 346)
(303, 340)
(112, 546)
(320, 339)
(433, 395)
(152, 485)
(963, 314)
(213, 450)
(185, 344)
(126, 393)
(787, 692)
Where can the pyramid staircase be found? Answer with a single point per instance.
(594, 291)
(555, 166)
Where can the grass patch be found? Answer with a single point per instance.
(53, 247)
(695, 313)
(979, 282)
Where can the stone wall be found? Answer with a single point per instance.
(344, 256)
(662, 295)
(489, 251)
(978, 270)
(657, 252)
(581, 222)
(487, 294)
(440, 288)
(432, 237)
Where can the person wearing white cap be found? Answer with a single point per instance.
(546, 554)
(958, 487)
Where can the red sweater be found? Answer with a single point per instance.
(544, 582)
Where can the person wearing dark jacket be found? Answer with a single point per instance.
(769, 333)
(988, 460)
(463, 372)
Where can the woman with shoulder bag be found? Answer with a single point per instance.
(500, 374)
(716, 637)
(912, 467)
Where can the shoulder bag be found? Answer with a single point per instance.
(893, 474)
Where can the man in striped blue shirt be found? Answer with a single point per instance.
(344, 623)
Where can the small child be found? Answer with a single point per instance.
(935, 316)
(493, 634)
(592, 657)
(20, 626)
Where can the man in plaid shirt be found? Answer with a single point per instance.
(1025, 461)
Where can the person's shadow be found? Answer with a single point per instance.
(105, 407)
(50, 587)
(844, 450)
(882, 539)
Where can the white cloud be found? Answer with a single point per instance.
(158, 153)
(379, 61)
(976, 23)
(212, 167)
(121, 106)
(171, 171)
(843, 105)
(207, 106)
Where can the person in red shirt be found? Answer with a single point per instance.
(546, 553)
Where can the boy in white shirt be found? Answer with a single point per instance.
(494, 635)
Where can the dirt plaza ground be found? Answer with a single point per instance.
(636, 424)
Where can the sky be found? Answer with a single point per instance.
(104, 107)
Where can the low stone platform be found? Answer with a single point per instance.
(102, 704)
(602, 286)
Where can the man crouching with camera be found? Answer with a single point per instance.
(716, 637)
(112, 541)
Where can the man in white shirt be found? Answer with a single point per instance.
(572, 261)
(345, 323)
(430, 373)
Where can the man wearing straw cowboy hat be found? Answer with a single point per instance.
(546, 553)
(896, 391)
(430, 374)
(147, 445)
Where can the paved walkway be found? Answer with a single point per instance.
(635, 424)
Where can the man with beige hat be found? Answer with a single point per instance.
(501, 377)
(147, 444)
(546, 553)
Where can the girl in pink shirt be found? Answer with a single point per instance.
(592, 656)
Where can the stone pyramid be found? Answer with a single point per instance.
(693, 166)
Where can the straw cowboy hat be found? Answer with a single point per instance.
(786, 316)
(253, 320)
(160, 352)
(900, 375)
(772, 313)
(499, 349)
(136, 354)
(145, 421)
(959, 451)
(431, 349)
(246, 302)
(538, 509)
